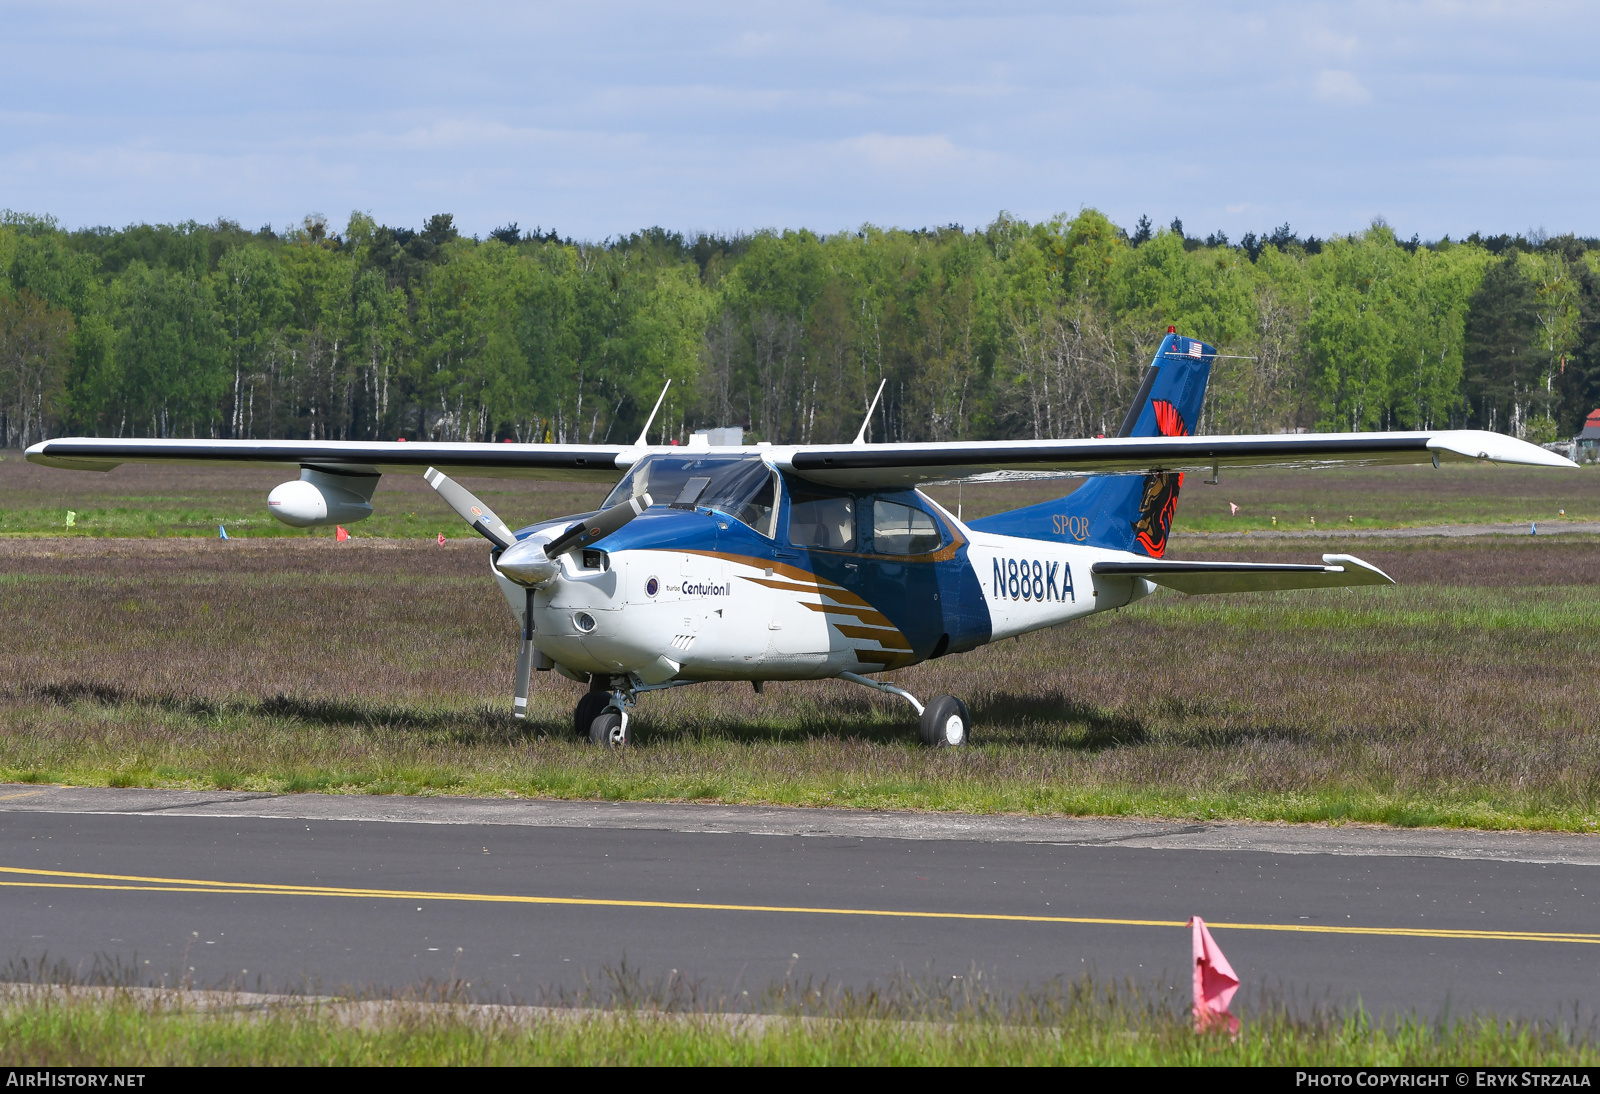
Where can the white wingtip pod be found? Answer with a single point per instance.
(320, 498)
(1480, 444)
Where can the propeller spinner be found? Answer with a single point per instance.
(531, 562)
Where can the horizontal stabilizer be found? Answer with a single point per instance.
(1194, 578)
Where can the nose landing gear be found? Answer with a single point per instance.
(602, 714)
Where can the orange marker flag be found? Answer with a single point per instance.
(441, 539)
(339, 534)
(1214, 982)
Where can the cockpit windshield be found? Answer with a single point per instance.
(743, 487)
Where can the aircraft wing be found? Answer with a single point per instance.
(867, 466)
(600, 463)
(1194, 578)
(905, 465)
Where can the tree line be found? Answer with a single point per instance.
(1015, 330)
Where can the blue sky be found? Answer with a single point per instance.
(604, 118)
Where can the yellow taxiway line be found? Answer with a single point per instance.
(136, 883)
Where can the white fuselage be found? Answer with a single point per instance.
(701, 615)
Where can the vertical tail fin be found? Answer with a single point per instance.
(1128, 512)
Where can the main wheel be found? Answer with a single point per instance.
(945, 723)
(589, 708)
(610, 731)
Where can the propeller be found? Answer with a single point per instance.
(530, 562)
(519, 703)
(470, 509)
(585, 532)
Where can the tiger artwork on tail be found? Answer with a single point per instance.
(1160, 499)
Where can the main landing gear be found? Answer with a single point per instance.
(602, 714)
(944, 721)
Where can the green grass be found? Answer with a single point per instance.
(1464, 697)
(1078, 1025)
(385, 669)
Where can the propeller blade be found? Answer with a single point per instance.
(586, 533)
(519, 706)
(470, 509)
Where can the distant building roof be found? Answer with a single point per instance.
(1591, 427)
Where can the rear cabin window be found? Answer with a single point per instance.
(827, 522)
(902, 530)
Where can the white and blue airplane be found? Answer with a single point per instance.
(812, 562)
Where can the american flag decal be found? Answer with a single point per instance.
(1194, 348)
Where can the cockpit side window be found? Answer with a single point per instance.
(760, 510)
(743, 487)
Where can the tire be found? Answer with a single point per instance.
(945, 723)
(609, 731)
(589, 708)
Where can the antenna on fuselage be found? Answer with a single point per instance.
(650, 420)
(861, 435)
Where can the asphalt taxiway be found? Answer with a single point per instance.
(521, 898)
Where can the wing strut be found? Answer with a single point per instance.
(861, 434)
(648, 422)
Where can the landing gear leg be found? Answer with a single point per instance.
(944, 722)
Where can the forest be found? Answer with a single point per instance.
(1017, 330)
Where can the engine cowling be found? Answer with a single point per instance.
(319, 498)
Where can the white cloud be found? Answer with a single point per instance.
(1331, 44)
(886, 152)
(1335, 85)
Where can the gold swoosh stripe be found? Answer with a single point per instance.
(791, 586)
(888, 639)
(866, 615)
(794, 573)
(886, 658)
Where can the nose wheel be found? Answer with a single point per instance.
(610, 729)
(602, 715)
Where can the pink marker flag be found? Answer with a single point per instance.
(339, 534)
(1235, 509)
(1214, 982)
(441, 539)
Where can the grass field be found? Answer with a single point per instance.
(1466, 696)
(1074, 1023)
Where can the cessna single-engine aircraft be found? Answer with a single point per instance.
(811, 562)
